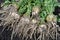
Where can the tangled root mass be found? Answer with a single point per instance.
(15, 27)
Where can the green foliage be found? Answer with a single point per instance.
(58, 18)
(47, 8)
(25, 6)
